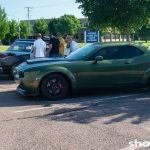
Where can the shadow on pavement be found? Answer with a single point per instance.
(4, 79)
(12, 99)
(134, 108)
(92, 105)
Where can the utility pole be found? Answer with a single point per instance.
(28, 11)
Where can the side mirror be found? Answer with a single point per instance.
(98, 58)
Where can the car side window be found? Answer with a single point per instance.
(118, 52)
(29, 46)
(18, 46)
(127, 52)
(107, 52)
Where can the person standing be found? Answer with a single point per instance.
(61, 46)
(71, 44)
(54, 46)
(39, 47)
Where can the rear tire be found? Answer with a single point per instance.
(148, 83)
(55, 87)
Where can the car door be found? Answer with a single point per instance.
(115, 69)
(98, 74)
(131, 71)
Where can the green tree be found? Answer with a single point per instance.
(3, 23)
(24, 29)
(12, 33)
(52, 25)
(68, 24)
(126, 15)
(144, 32)
(40, 26)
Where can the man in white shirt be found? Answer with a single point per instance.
(39, 47)
(72, 45)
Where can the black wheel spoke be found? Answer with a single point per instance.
(55, 86)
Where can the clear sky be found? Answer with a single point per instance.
(15, 9)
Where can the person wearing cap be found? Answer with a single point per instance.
(39, 47)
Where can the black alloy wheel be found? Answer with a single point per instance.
(55, 87)
(148, 83)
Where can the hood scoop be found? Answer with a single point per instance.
(44, 60)
(10, 54)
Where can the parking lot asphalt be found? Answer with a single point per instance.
(103, 120)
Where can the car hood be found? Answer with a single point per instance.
(42, 62)
(45, 60)
(12, 53)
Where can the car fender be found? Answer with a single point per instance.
(10, 60)
(146, 76)
(60, 70)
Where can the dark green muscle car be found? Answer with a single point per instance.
(93, 66)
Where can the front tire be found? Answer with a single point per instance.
(11, 72)
(55, 87)
(148, 83)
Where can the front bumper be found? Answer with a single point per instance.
(26, 86)
(20, 90)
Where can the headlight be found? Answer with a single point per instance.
(15, 71)
(19, 73)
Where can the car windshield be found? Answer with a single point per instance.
(81, 53)
(21, 46)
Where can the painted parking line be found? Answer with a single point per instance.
(7, 89)
(88, 104)
(123, 96)
(31, 109)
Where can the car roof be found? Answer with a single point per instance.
(31, 40)
(113, 44)
(142, 46)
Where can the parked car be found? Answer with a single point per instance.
(20, 51)
(92, 66)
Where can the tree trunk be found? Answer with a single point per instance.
(132, 37)
(146, 39)
(123, 38)
(119, 37)
(128, 38)
(104, 39)
(110, 37)
(101, 39)
(115, 37)
(128, 33)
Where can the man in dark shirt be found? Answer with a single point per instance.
(54, 46)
